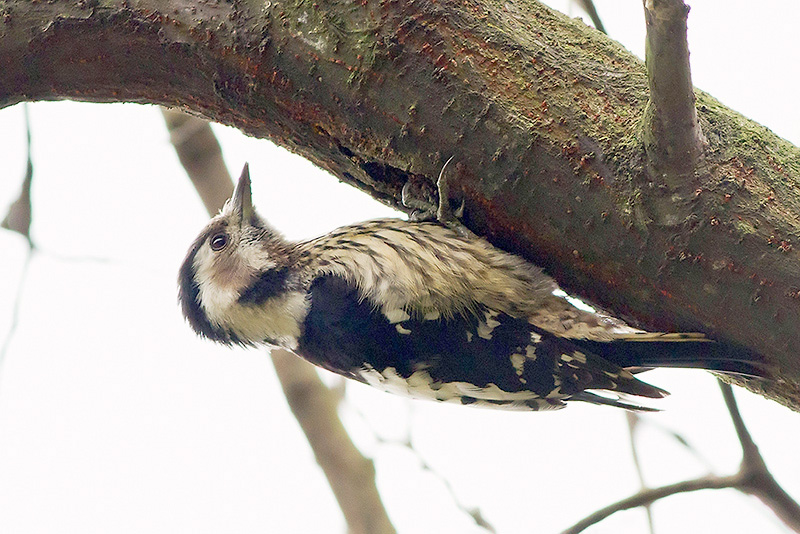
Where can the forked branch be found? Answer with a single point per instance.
(752, 478)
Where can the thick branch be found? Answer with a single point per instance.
(540, 112)
(673, 137)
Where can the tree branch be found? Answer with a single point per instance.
(541, 112)
(20, 212)
(753, 478)
(590, 9)
(633, 420)
(649, 496)
(350, 475)
(673, 137)
(18, 219)
(200, 154)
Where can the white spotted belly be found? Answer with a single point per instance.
(420, 385)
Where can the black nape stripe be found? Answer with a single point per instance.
(267, 285)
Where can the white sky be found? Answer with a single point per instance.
(115, 418)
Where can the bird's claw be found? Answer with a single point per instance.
(445, 213)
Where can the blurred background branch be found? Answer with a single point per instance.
(590, 9)
(18, 219)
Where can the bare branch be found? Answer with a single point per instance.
(673, 136)
(20, 213)
(200, 154)
(650, 496)
(756, 479)
(12, 329)
(407, 443)
(350, 475)
(752, 478)
(633, 421)
(750, 452)
(591, 10)
(18, 219)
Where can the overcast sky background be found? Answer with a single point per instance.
(115, 418)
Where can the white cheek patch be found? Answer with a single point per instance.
(254, 257)
(275, 322)
(220, 282)
(213, 296)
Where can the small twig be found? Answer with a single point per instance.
(750, 452)
(15, 311)
(18, 219)
(650, 496)
(673, 137)
(633, 420)
(681, 440)
(20, 213)
(407, 443)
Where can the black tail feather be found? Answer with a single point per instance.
(644, 352)
(588, 396)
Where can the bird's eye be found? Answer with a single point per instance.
(218, 242)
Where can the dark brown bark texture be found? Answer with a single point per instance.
(542, 114)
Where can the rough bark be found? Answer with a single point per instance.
(543, 115)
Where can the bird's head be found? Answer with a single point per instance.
(238, 275)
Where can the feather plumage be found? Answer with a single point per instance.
(421, 309)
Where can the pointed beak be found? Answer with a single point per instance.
(242, 195)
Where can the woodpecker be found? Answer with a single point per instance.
(424, 310)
